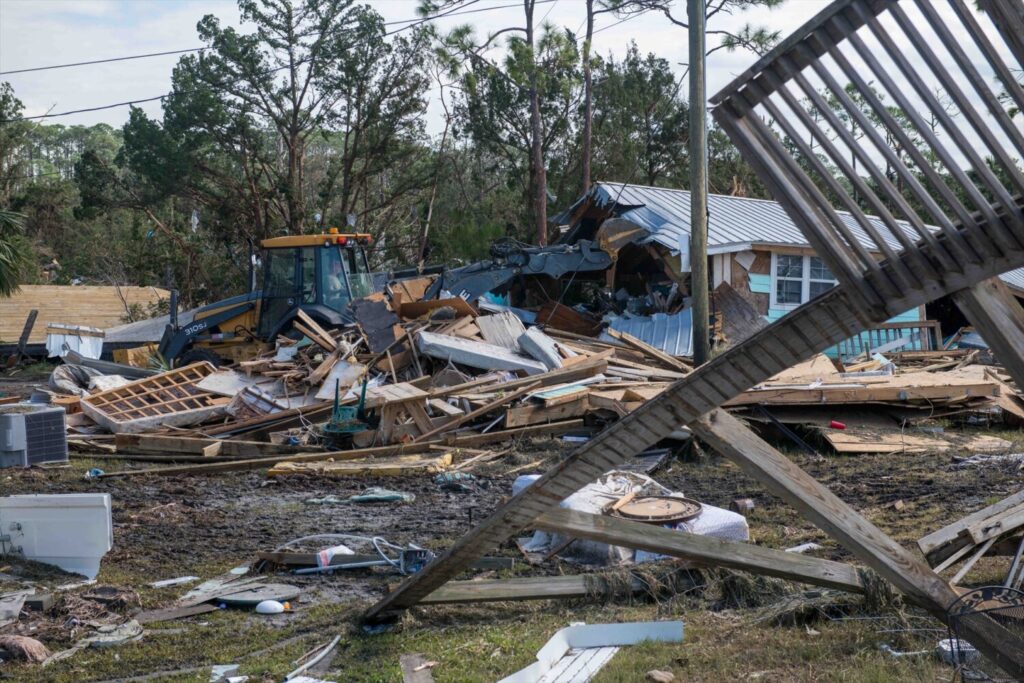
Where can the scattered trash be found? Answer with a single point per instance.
(660, 676)
(223, 672)
(456, 482)
(375, 494)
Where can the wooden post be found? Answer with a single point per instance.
(996, 314)
(699, 290)
(26, 332)
(869, 543)
(703, 550)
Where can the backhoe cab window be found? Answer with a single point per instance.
(343, 270)
(358, 274)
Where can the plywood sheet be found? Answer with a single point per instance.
(100, 307)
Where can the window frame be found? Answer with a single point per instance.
(805, 281)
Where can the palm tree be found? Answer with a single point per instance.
(14, 253)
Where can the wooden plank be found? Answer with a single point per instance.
(870, 544)
(934, 541)
(704, 550)
(997, 525)
(377, 451)
(26, 332)
(996, 314)
(531, 588)
(157, 443)
(482, 410)
(657, 354)
(398, 466)
(520, 416)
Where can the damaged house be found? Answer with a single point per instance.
(753, 246)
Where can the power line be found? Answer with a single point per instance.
(101, 61)
(160, 97)
(451, 13)
(82, 111)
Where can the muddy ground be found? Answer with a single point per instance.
(166, 527)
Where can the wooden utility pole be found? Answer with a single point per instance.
(698, 185)
(588, 99)
(539, 187)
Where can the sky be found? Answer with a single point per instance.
(37, 33)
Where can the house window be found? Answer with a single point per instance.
(797, 279)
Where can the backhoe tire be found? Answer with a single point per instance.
(196, 355)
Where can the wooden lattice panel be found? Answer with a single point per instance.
(168, 399)
(895, 113)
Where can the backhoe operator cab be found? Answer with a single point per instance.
(317, 274)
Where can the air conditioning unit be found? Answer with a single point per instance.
(32, 434)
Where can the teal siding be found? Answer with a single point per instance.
(760, 284)
(864, 339)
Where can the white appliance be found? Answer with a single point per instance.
(70, 530)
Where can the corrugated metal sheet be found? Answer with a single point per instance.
(671, 333)
(1014, 278)
(733, 222)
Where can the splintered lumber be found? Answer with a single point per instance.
(482, 410)
(533, 414)
(939, 545)
(871, 545)
(704, 550)
(153, 443)
(995, 312)
(323, 337)
(391, 467)
(657, 354)
(271, 460)
(273, 421)
(377, 451)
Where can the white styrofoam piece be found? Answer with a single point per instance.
(476, 354)
(594, 636)
(70, 530)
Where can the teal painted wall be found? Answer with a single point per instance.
(762, 284)
(864, 340)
